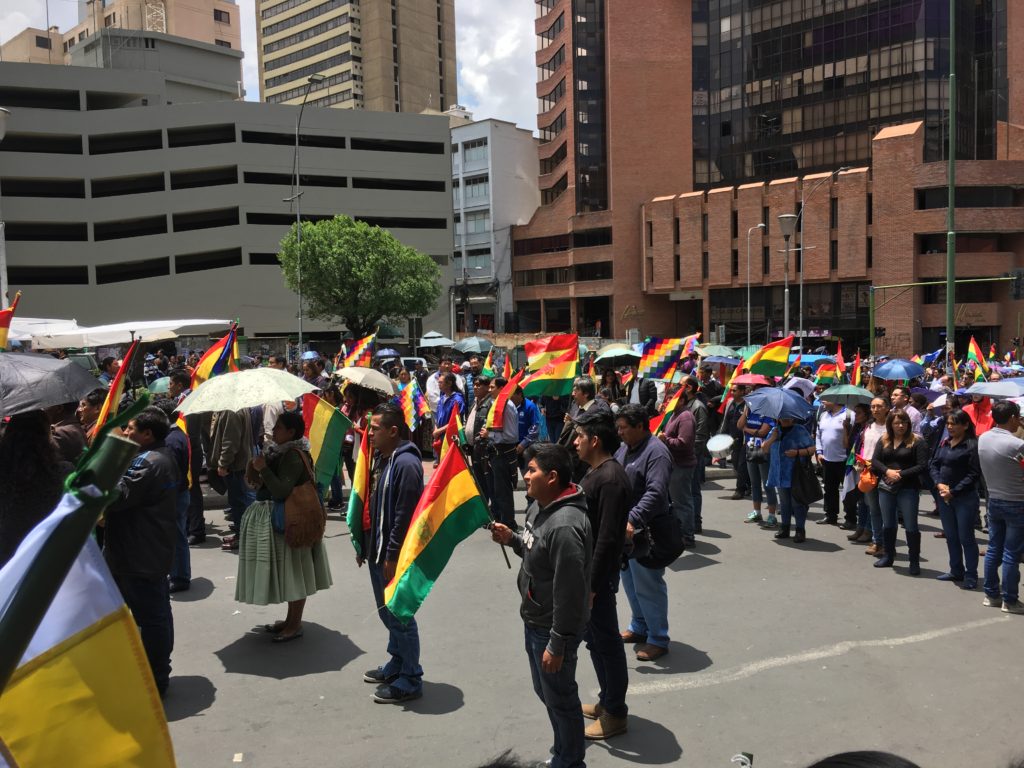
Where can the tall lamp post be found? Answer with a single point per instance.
(787, 222)
(803, 253)
(4, 114)
(749, 232)
(951, 201)
(296, 195)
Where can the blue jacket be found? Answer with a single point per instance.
(529, 422)
(648, 468)
(780, 467)
(446, 405)
(956, 466)
(397, 486)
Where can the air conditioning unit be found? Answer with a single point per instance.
(633, 336)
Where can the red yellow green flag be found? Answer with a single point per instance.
(827, 374)
(488, 367)
(856, 373)
(771, 359)
(659, 422)
(448, 512)
(542, 351)
(116, 391)
(974, 353)
(592, 369)
(506, 370)
(793, 367)
(362, 351)
(496, 415)
(840, 363)
(222, 357)
(454, 434)
(728, 387)
(554, 378)
(325, 429)
(357, 515)
(978, 373)
(6, 316)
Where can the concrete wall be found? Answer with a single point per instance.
(253, 292)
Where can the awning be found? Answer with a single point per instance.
(119, 333)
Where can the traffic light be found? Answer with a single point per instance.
(879, 331)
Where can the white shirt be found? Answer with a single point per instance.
(872, 434)
(830, 435)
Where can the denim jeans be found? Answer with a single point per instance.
(150, 603)
(791, 508)
(958, 524)
(337, 492)
(680, 493)
(240, 496)
(875, 514)
(906, 501)
(647, 594)
(505, 473)
(561, 697)
(608, 654)
(758, 471)
(1005, 542)
(181, 567)
(403, 640)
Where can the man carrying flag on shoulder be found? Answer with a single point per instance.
(503, 433)
(395, 488)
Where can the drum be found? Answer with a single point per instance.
(719, 446)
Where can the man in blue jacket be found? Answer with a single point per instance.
(396, 485)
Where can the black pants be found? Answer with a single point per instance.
(196, 520)
(739, 463)
(150, 603)
(608, 653)
(834, 472)
(850, 506)
(504, 472)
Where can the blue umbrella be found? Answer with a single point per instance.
(778, 403)
(898, 370)
(310, 354)
(388, 352)
(722, 360)
(473, 345)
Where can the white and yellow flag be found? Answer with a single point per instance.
(83, 693)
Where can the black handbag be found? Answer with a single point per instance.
(804, 485)
(659, 544)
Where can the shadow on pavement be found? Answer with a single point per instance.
(438, 699)
(187, 696)
(811, 545)
(680, 658)
(704, 548)
(711, 534)
(646, 743)
(199, 589)
(319, 650)
(691, 561)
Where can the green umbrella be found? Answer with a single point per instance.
(716, 350)
(617, 354)
(160, 386)
(847, 394)
(746, 352)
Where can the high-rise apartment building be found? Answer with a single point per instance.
(380, 55)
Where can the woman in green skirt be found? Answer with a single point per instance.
(269, 571)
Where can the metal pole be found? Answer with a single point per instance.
(871, 320)
(785, 294)
(4, 303)
(297, 197)
(951, 202)
(749, 231)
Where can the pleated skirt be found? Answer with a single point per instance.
(271, 572)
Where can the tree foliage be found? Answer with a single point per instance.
(359, 274)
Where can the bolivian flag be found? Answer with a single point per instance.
(357, 515)
(771, 359)
(325, 429)
(658, 423)
(555, 376)
(488, 366)
(827, 374)
(506, 368)
(496, 415)
(83, 694)
(454, 434)
(6, 316)
(222, 357)
(449, 510)
(855, 375)
(974, 353)
(116, 391)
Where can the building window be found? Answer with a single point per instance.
(478, 222)
(870, 253)
(677, 233)
(735, 224)
(223, 43)
(765, 218)
(870, 208)
(650, 233)
(704, 266)
(735, 263)
(833, 255)
(552, 193)
(833, 213)
(476, 190)
(474, 151)
(766, 260)
(703, 226)
(677, 262)
(43, 42)
(222, 16)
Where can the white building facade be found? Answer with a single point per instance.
(494, 187)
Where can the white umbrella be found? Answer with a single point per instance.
(117, 333)
(370, 378)
(435, 339)
(245, 389)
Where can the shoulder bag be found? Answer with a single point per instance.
(804, 483)
(661, 543)
(305, 518)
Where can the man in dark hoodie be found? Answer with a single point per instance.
(608, 501)
(140, 532)
(395, 487)
(556, 545)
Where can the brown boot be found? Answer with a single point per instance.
(877, 550)
(592, 711)
(605, 727)
(864, 537)
(857, 533)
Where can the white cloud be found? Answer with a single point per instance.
(15, 16)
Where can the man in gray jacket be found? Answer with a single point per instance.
(556, 545)
(702, 422)
(230, 451)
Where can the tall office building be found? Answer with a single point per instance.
(379, 55)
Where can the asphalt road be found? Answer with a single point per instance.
(791, 652)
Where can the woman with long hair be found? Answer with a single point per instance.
(956, 472)
(610, 380)
(788, 443)
(899, 461)
(270, 571)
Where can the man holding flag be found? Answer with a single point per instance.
(502, 430)
(396, 486)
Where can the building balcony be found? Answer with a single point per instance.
(991, 264)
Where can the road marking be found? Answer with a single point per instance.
(815, 654)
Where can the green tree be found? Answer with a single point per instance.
(359, 274)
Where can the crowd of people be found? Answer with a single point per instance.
(608, 500)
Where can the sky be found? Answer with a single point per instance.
(494, 49)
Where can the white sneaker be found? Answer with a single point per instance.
(992, 602)
(1015, 607)
(754, 517)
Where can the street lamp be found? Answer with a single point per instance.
(787, 222)
(749, 231)
(4, 114)
(296, 195)
(803, 251)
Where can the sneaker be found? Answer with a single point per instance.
(592, 711)
(605, 727)
(771, 522)
(992, 602)
(1015, 607)
(388, 694)
(754, 517)
(377, 676)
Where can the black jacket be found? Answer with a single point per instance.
(141, 526)
(607, 491)
(957, 466)
(648, 394)
(397, 486)
(912, 462)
